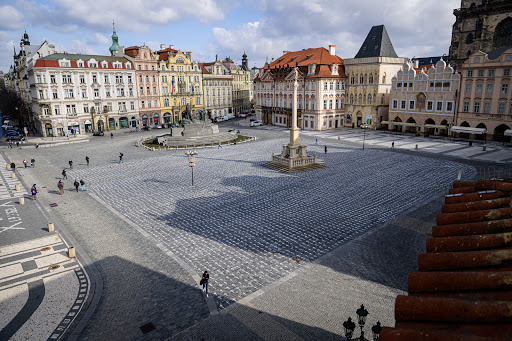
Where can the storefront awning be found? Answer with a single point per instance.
(468, 130)
(436, 126)
(72, 124)
(87, 122)
(404, 124)
(508, 132)
(384, 122)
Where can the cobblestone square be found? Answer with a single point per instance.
(249, 225)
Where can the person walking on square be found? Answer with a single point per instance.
(220, 146)
(316, 141)
(76, 183)
(60, 186)
(393, 145)
(87, 160)
(32, 162)
(70, 164)
(111, 135)
(33, 190)
(120, 157)
(204, 282)
(25, 163)
(82, 182)
(17, 143)
(64, 174)
(10, 144)
(325, 149)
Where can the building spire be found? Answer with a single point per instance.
(115, 40)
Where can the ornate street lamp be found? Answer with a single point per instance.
(350, 326)
(191, 162)
(364, 127)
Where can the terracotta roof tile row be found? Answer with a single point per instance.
(463, 287)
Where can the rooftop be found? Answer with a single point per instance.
(377, 44)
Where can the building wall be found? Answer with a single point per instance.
(88, 96)
(480, 26)
(424, 99)
(490, 108)
(368, 88)
(146, 72)
(217, 89)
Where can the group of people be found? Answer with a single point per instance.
(32, 162)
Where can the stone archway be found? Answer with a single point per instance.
(499, 133)
(101, 125)
(410, 129)
(429, 130)
(480, 136)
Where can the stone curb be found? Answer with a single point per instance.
(46, 145)
(201, 146)
(96, 281)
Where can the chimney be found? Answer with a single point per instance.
(171, 47)
(332, 50)
(285, 52)
(416, 63)
(162, 46)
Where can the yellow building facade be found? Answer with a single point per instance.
(180, 83)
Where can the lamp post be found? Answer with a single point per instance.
(191, 162)
(350, 326)
(364, 127)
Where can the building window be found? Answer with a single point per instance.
(501, 108)
(487, 108)
(360, 99)
(330, 104)
(325, 86)
(107, 80)
(402, 105)
(337, 103)
(465, 107)
(510, 109)
(476, 107)
(369, 100)
(325, 104)
(55, 95)
(351, 99)
(478, 88)
(395, 104)
(305, 124)
(488, 88)
(84, 93)
(57, 110)
(82, 79)
(107, 92)
(439, 106)
(343, 103)
(430, 105)
(361, 79)
(52, 79)
(96, 93)
(481, 73)
(94, 79)
(411, 105)
(491, 73)
(86, 108)
(331, 86)
(470, 73)
(504, 88)
(129, 79)
(449, 106)
(468, 88)
(506, 72)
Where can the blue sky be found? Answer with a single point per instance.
(261, 28)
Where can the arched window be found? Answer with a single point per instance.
(361, 79)
(384, 78)
(352, 80)
(503, 33)
(360, 99)
(369, 101)
(469, 38)
(370, 78)
(351, 99)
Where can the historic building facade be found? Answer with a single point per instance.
(485, 100)
(148, 87)
(480, 25)
(75, 94)
(369, 80)
(180, 82)
(217, 89)
(423, 100)
(321, 99)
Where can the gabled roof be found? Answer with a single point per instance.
(164, 54)
(463, 288)
(53, 60)
(377, 44)
(305, 57)
(491, 55)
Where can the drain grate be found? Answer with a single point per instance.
(45, 249)
(53, 267)
(147, 328)
(54, 205)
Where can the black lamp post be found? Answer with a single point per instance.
(364, 127)
(350, 326)
(191, 162)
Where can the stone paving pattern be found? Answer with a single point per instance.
(247, 224)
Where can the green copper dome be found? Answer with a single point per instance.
(115, 43)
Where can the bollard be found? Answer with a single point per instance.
(339, 138)
(18, 187)
(71, 252)
(13, 176)
(416, 146)
(50, 227)
(22, 201)
(8, 166)
(484, 148)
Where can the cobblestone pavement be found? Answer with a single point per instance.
(249, 225)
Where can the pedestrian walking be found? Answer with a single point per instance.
(120, 157)
(17, 143)
(325, 149)
(220, 146)
(204, 282)
(33, 190)
(25, 163)
(87, 160)
(316, 141)
(10, 144)
(70, 164)
(76, 183)
(32, 162)
(111, 135)
(64, 174)
(60, 186)
(393, 145)
(82, 182)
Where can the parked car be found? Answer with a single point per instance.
(11, 133)
(98, 133)
(256, 124)
(15, 138)
(244, 114)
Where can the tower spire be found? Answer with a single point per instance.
(115, 43)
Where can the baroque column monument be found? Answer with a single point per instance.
(294, 157)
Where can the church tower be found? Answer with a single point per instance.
(480, 25)
(115, 44)
(245, 65)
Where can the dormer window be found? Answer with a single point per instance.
(92, 64)
(104, 65)
(312, 69)
(80, 63)
(65, 63)
(334, 69)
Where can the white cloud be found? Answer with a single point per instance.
(101, 39)
(10, 18)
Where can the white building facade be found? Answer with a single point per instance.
(217, 90)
